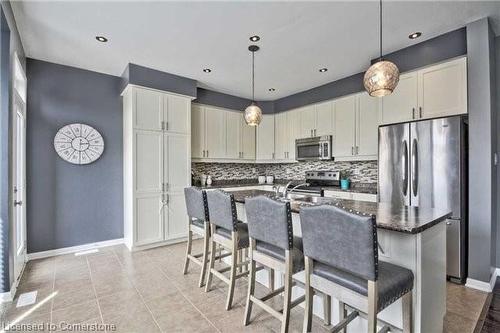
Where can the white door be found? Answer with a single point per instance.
(177, 164)
(307, 121)
(19, 179)
(233, 134)
(367, 126)
(324, 119)
(176, 111)
(401, 105)
(345, 122)
(215, 133)
(148, 109)
(197, 132)
(247, 140)
(265, 138)
(443, 89)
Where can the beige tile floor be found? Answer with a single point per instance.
(146, 292)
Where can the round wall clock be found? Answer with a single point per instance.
(78, 144)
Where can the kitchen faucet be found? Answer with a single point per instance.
(293, 188)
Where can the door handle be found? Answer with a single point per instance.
(414, 167)
(18, 203)
(404, 165)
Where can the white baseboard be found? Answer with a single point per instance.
(484, 286)
(73, 249)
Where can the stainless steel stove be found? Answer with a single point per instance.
(316, 180)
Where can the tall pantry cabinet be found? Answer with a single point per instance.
(157, 166)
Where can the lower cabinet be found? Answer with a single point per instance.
(351, 196)
(148, 219)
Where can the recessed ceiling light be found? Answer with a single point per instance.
(272, 89)
(322, 70)
(207, 70)
(101, 39)
(415, 35)
(254, 38)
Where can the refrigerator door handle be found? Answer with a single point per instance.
(405, 168)
(414, 167)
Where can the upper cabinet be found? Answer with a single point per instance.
(160, 111)
(316, 120)
(287, 130)
(220, 134)
(265, 138)
(344, 141)
(435, 91)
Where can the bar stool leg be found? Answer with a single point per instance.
(188, 250)
(271, 279)
(251, 284)
(232, 276)
(342, 314)
(212, 258)
(407, 313)
(372, 306)
(206, 243)
(288, 293)
(306, 327)
(327, 309)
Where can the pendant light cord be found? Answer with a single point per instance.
(380, 9)
(253, 76)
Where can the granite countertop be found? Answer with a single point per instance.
(356, 187)
(411, 220)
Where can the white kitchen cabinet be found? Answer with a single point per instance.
(401, 105)
(442, 89)
(345, 123)
(233, 135)
(316, 120)
(247, 142)
(198, 131)
(367, 118)
(281, 136)
(293, 126)
(339, 194)
(265, 139)
(215, 133)
(435, 91)
(307, 121)
(156, 166)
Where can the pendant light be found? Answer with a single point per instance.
(383, 76)
(253, 113)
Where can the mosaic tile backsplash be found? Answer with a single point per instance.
(360, 172)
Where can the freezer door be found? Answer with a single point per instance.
(435, 162)
(394, 164)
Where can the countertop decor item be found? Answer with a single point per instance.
(78, 143)
(383, 76)
(253, 113)
(262, 179)
(209, 180)
(270, 179)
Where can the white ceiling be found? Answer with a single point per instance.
(297, 38)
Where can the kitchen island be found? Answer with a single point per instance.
(411, 237)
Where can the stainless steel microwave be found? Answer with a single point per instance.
(317, 148)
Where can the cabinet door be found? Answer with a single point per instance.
(324, 119)
(148, 162)
(367, 126)
(197, 131)
(247, 142)
(265, 138)
(148, 109)
(280, 136)
(443, 89)
(401, 105)
(176, 112)
(293, 126)
(177, 221)
(233, 134)
(345, 122)
(215, 133)
(149, 219)
(177, 163)
(307, 121)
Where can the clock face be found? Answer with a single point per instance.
(78, 144)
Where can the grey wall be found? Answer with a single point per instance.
(71, 204)
(481, 69)
(205, 96)
(10, 44)
(497, 202)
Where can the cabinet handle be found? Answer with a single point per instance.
(352, 150)
(312, 133)
(203, 153)
(413, 113)
(166, 125)
(315, 132)
(273, 156)
(207, 153)
(420, 112)
(357, 150)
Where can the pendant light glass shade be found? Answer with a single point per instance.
(381, 78)
(253, 114)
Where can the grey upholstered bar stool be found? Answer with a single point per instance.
(341, 260)
(273, 245)
(197, 210)
(232, 234)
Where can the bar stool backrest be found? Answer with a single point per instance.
(196, 203)
(222, 209)
(270, 221)
(341, 239)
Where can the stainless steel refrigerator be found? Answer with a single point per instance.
(424, 164)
